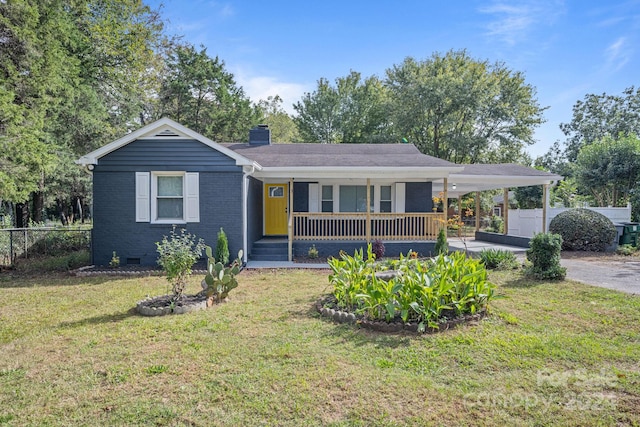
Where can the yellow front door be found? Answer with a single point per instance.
(275, 209)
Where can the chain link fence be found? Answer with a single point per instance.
(23, 243)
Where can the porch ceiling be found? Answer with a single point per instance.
(492, 177)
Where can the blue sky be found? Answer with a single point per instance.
(565, 48)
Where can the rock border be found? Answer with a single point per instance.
(380, 326)
(143, 308)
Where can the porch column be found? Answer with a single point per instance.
(290, 223)
(545, 203)
(505, 207)
(477, 210)
(445, 200)
(460, 216)
(368, 224)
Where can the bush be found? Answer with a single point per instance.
(544, 254)
(442, 248)
(178, 253)
(222, 248)
(496, 225)
(583, 230)
(378, 248)
(626, 250)
(498, 259)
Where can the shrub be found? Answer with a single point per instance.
(626, 250)
(498, 259)
(222, 247)
(178, 253)
(441, 248)
(422, 291)
(496, 224)
(544, 254)
(378, 248)
(312, 252)
(583, 230)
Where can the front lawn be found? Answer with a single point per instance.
(72, 352)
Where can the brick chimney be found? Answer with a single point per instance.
(260, 135)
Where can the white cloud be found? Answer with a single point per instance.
(261, 87)
(513, 21)
(618, 54)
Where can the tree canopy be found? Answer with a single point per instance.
(450, 106)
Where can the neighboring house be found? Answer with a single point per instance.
(273, 201)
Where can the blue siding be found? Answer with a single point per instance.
(333, 248)
(418, 197)
(115, 228)
(175, 154)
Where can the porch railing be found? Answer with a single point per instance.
(353, 226)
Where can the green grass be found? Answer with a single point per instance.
(72, 352)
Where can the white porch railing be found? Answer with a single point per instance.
(353, 226)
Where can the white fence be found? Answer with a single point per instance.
(527, 222)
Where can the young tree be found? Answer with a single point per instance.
(463, 110)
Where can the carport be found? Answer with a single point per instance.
(476, 178)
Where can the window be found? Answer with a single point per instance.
(353, 198)
(385, 198)
(173, 199)
(327, 198)
(169, 198)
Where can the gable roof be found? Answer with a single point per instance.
(161, 129)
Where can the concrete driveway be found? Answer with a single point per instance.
(622, 276)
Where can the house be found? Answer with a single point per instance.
(273, 200)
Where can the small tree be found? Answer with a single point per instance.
(178, 253)
(222, 248)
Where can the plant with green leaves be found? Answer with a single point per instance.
(442, 247)
(420, 291)
(544, 254)
(178, 254)
(222, 247)
(498, 259)
(221, 279)
(312, 252)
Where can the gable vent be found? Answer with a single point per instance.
(166, 132)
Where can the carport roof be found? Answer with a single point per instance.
(482, 177)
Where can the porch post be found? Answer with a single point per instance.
(477, 211)
(290, 223)
(460, 216)
(368, 224)
(505, 207)
(445, 200)
(545, 203)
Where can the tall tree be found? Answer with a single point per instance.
(352, 111)
(463, 110)
(199, 93)
(609, 169)
(598, 116)
(282, 126)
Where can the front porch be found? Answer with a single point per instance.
(321, 226)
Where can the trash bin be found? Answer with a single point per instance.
(630, 233)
